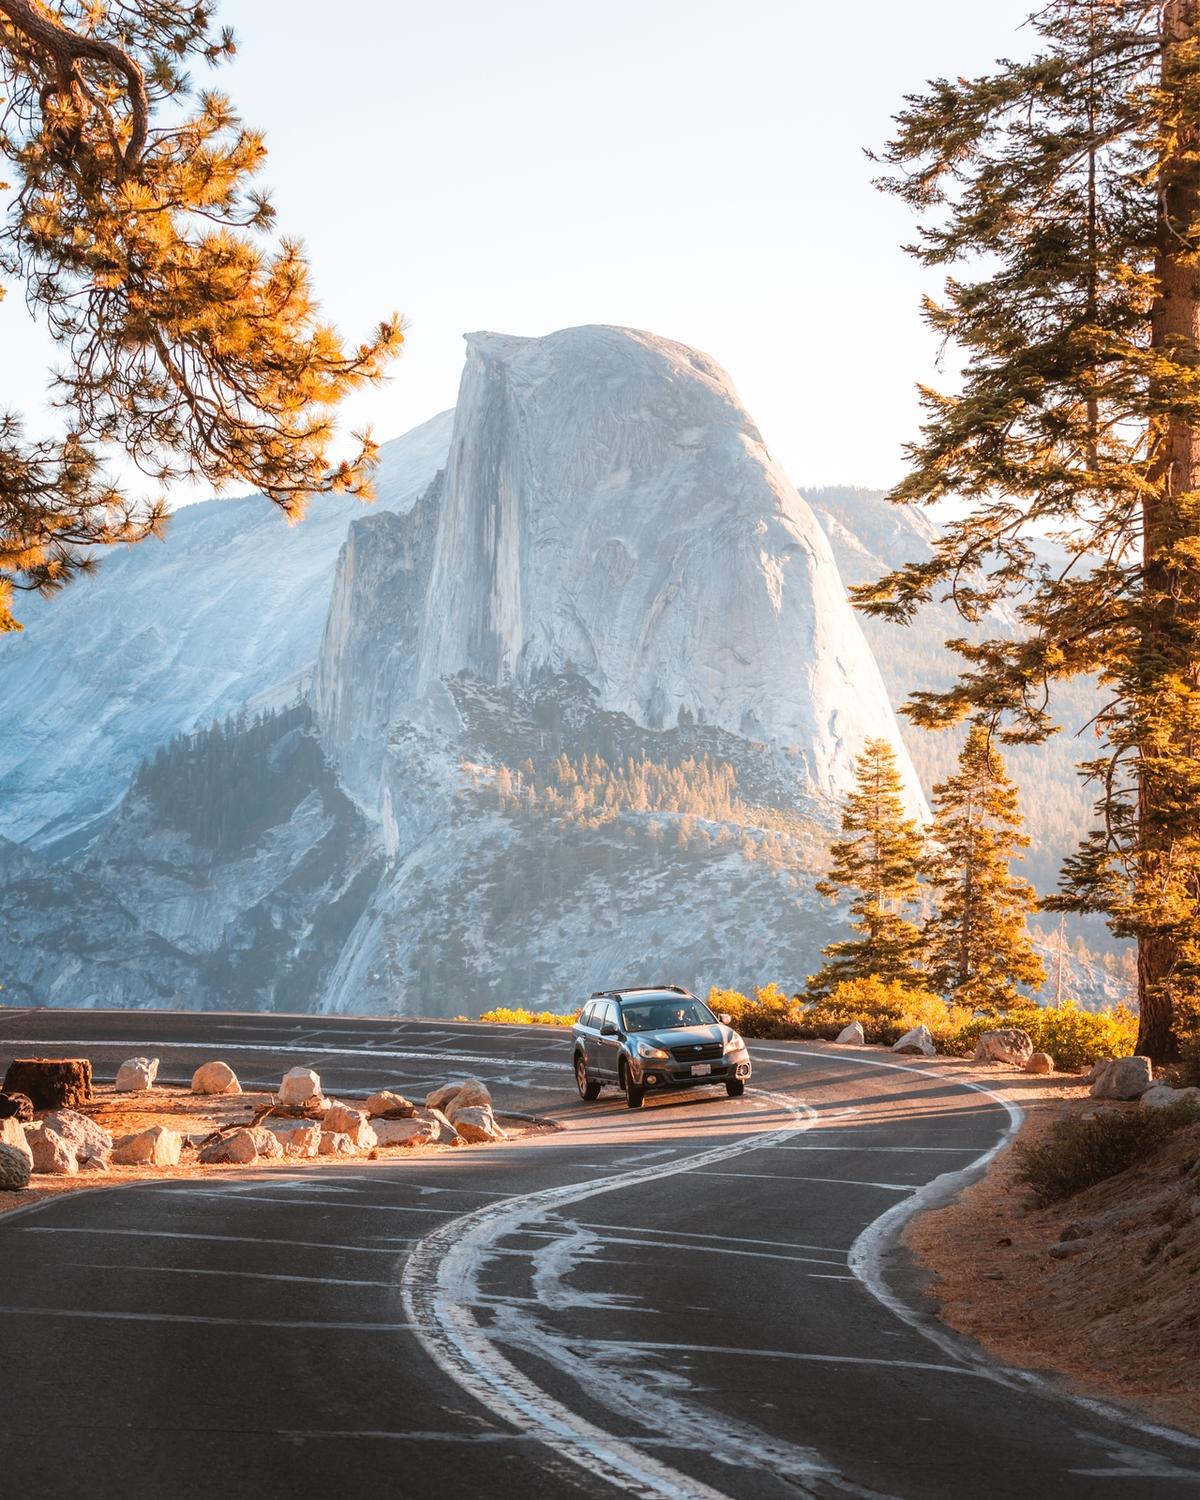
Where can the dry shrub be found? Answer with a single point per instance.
(1081, 1152)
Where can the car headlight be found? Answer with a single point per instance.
(734, 1042)
(644, 1049)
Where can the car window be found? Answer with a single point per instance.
(587, 1017)
(665, 1015)
(609, 1013)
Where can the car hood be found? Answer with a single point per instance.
(683, 1036)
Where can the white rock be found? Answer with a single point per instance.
(852, 1035)
(462, 1095)
(236, 1149)
(336, 1143)
(387, 1103)
(155, 1147)
(1162, 1096)
(917, 1040)
(477, 1124)
(12, 1134)
(300, 1088)
(1008, 1044)
(51, 1153)
(136, 1074)
(427, 1128)
(1124, 1078)
(268, 1144)
(14, 1169)
(88, 1138)
(297, 1137)
(353, 1123)
(215, 1078)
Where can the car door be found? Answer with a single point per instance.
(608, 1048)
(585, 1030)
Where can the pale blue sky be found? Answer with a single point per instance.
(692, 167)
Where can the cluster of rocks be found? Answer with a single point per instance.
(312, 1125)
(1008, 1044)
(1132, 1078)
(300, 1122)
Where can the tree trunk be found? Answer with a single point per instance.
(1169, 517)
(51, 1083)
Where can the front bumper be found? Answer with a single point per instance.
(657, 1073)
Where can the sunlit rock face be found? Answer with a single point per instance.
(610, 507)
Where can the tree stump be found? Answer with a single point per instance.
(50, 1082)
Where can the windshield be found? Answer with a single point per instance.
(665, 1015)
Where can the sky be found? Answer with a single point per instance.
(691, 167)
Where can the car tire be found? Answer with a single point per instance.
(635, 1096)
(735, 1087)
(588, 1088)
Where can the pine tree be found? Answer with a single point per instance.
(192, 343)
(979, 948)
(1065, 192)
(879, 858)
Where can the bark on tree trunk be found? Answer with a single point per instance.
(1175, 327)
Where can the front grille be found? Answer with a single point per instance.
(697, 1052)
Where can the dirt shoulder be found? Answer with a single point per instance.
(198, 1116)
(1119, 1318)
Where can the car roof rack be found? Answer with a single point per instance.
(641, 989)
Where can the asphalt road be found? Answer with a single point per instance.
(701, 1298)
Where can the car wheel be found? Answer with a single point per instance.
(635, 1097)
(735, 1087)
(588, 1090)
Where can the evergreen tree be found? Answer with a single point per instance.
(1066, 192)
(978, 942)
(879, 858)
(191, 343)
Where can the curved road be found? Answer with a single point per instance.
(704, 1298)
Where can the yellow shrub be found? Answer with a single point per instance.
(504, 1015)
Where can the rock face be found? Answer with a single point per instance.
(155, 1147)
(14, 1169)
(300, 1088)
(12, 1135)
(90, 1140)
(51, 1152)
(136, 1074)
(1009, 1044)
(1124, 1078)
(215, 1078)
(852, 1035)
(918, 1040)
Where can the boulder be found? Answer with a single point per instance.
(1162, 1096)
(215, 1078)
(342, 1120)
(300, 1088)
(476, 1124)
(156, 1147)
(428, 1127)
(297, 1137)
(1099, 1066)
(16, 1107)
(95, 1164)
(236, 1149)
(1124, 1078)
(1040, 1062)
(89, 1139)
(266, 1142)
(336, 1143)
(14, 1169)
(918, 1040)
(51, 1153)
(1008, 1044)
(852, 1035)
(388, 1106)
(136, 1074)
(12, 1134)
(50, 1082)
(463, 1095)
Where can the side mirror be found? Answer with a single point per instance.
(608, 1029)
(725, 1018)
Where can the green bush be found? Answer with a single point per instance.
(1080, 1152)
(768, 1015)
(1073, 1037)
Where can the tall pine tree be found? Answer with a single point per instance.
(878, 858)
(979, 948)
(1062, 195)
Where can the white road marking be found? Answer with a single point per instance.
(789, 1354)
(891, 1187)
(233, 1239)
(796, 1260)
(923, 1150)
(440, 1282)
(141, 1270)
(724, 1239)
(98, 1315)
